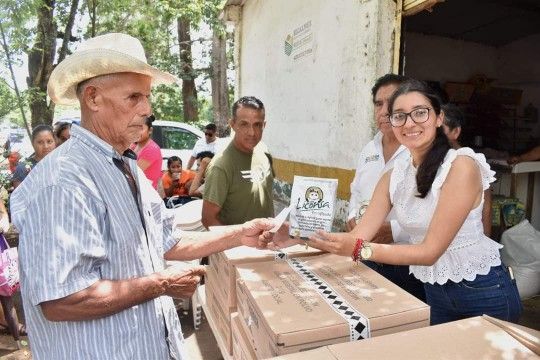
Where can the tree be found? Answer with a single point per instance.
(40, 64)
(14, 16)
(189, 91)
(220, 96)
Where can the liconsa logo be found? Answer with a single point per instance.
(313, 200)
(288, 46)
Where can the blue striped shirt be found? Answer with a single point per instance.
(79, 223)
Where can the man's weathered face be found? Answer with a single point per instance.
(381, 108)
(122, 105)
(248, 126)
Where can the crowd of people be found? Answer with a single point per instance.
(94, 233)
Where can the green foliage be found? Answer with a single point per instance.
(153, 22)
(8, 100)
(167, 103)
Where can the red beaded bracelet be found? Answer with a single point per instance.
(357, 247)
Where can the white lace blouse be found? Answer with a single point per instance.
(471, 252)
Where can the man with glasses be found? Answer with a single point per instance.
(208, 143)
(376, 158)
(238, 185)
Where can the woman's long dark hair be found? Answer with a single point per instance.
(428, 168)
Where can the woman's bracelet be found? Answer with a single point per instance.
(356, 251)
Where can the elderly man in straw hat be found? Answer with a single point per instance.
(94, 233)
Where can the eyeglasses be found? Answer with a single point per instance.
(419, 116)
(209, 134)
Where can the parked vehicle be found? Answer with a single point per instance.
(175, 138)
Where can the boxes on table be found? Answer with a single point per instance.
(475, 338)
(310, 302)
(222, 265)
(220, 282)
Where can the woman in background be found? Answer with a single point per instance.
(148, 153)
(453, 122)
(43, 143)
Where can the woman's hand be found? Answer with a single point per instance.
(335, 243)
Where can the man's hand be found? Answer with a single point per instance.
(255, 233)
(181, 283)
(281, 239)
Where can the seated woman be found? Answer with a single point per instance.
(197, 185)
(43, 143)
(176, 181)
(438, 195)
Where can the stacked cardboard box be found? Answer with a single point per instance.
(220, 282)
(474, 338)
(241, 344)
(285, 313)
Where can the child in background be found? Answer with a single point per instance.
(176, 181)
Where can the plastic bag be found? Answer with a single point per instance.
(522, 252)
(9, 268)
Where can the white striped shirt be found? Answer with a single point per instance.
(79, 223)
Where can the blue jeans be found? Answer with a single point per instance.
(494, 294)
(399, 275)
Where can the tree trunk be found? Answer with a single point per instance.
(15, 86)
(92, 14)
(189, 91)
(67, 32)
(40, 64)
(220, 93)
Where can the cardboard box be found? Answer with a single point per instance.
(242, 348)
(220, 281)
(285, 314)
(221, 319)
(224, 263)
(475, 338)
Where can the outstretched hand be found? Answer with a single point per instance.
(335, 243)
(255, 233)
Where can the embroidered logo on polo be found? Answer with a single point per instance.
(258, 174)
(371, 158)
(358, 324)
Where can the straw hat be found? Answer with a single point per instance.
(101, 55)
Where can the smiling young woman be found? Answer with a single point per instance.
(437, 196)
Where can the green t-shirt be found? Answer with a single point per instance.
(241, 184)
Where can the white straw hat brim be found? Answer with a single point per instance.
(84, 65)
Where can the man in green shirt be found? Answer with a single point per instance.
(238, 185)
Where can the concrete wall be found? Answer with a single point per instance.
(313, 63)
(317, 97)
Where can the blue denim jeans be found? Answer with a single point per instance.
(399, 275)
(494, 294)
